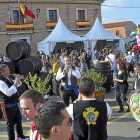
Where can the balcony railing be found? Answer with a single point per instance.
(51, 24)
(82, 23)
(17, 26)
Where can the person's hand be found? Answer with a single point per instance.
(64, 71)
(17, 79)
(115, 80)
(18, 138)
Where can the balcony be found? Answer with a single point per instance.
(82, 23)
(51, 24)
(17, 26)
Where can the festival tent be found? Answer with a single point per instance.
(62, 37)
(98, 32)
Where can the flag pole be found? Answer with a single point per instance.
(19, 16)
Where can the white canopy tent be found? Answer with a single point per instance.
(98, 32)
(59, 34)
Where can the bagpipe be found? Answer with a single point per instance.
(134, 104)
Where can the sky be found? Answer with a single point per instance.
(112, 14)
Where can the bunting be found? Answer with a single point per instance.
(21, 9)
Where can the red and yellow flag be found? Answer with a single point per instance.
(21, 9)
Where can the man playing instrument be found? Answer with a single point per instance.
(68, 76)
(137, 80)
(9, 95)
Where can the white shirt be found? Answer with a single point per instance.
(135, 81)
(32, 135)
(75, 72)
(111, 57)
(62, 59)
(70, 109)
(8, 91)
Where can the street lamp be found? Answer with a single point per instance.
(38, 11)
(95, 12)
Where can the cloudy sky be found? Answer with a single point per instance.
(112, 14)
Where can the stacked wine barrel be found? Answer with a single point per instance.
(21, 61)
(105, 69)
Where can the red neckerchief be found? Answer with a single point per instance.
(33, 127)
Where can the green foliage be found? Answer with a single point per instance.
(39, 84)
(98, 78)
(51, 60)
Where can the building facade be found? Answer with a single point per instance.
(78, 15)
(121, 29)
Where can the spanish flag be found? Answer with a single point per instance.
(21, 9)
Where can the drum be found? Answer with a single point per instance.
(134, 104)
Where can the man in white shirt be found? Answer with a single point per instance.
(9, 95)
(89, 114)
(111, 57)
(68, 76)
(30, 100)
(64, 54)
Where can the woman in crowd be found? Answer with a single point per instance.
(45, 64)
(122, 85)
(56, 66)
(84, 66)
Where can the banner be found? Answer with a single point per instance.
(9, 13)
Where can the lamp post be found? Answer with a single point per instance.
(95, 12)
(38, 11)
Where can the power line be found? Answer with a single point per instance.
(120, 18)
(118, 6)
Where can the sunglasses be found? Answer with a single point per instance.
(69, 122)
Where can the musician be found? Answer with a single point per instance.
(137, 80)
(68, 75)
(8, 94)
(136, 84)
(89, 115)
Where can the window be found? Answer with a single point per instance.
(81, 15)
(17, 17)
(52, 15)
(117, 33)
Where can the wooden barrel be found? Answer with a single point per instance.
(12, 65)
(31, 64)
(18, 50)
(100, 95)
(105, 69)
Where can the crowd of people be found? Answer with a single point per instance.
(85, 118)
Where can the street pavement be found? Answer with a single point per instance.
(121, 126)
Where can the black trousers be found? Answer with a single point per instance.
(14, 119)
(118, 98)
(66, 96)
(56, 86)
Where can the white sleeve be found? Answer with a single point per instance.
(18, 85)
(6, 90)
(109, 111)
(70, 110)
(76, 73)
(59, 75)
